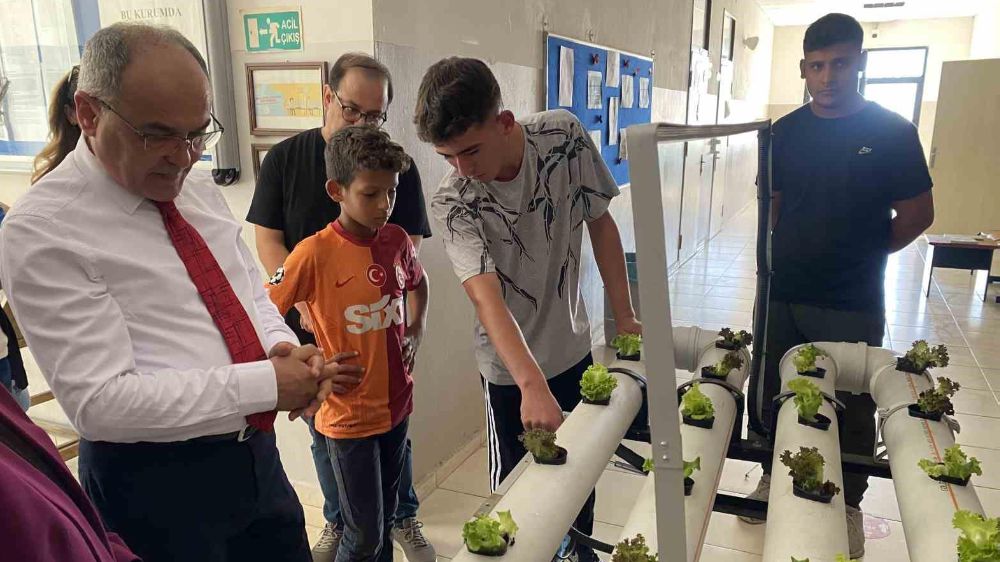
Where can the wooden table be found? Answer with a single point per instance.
(963, 252)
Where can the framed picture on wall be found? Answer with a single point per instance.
(285, 97)
(257, 154)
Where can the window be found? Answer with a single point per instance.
(894, 79)
(40, 40)
(38, 45)
(700, 24)
(728, 37)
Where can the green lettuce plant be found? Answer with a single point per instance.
(922, 356)
(805, 358)
(980, 538)
(485, 535)
(597, 383)
(956, 465)
(696, 405)
(806, 470)
(808, 398)
(628, 345)
(633, 550)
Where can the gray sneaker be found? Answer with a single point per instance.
(328, 543)
(411, 539)
(856, 532)
(761, 493)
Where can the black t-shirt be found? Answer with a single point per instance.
(838, 179)
(291, 196)
(291, 192)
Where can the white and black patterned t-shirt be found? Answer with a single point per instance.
(529, 232)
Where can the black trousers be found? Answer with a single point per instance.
(192, 502)
(789, 325)
(503, 426)
(368, 471)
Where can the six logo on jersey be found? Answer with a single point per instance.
(379, 315)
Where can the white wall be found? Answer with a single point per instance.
(946, 39)
(986, 31)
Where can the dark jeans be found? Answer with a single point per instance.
(503, 426)
(368, 471)
(408, 502)
(789, 325)
(211, 502)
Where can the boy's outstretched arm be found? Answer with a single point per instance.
(539, 408)
(610, 259)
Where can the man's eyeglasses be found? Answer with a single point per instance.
(197, 142)
(353, 115)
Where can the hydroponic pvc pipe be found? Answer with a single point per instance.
(545, 500)
(798, 527)
(690, 344)
(708, 444)
(926, 506)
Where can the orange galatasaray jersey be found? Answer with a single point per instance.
(354, 290)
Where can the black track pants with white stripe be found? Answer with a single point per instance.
(503, 426)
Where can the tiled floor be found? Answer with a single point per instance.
(716, 289)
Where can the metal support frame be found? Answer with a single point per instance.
(654, 294)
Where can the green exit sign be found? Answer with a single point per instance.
(273, 31)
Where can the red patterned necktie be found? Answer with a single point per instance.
(225, 308)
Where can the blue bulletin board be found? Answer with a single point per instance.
(588, 57)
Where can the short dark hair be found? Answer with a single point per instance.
(348, 61)
(832, 29)
(359, 148)
(455, 95)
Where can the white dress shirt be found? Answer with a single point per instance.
(112, 317)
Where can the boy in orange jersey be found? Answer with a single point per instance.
(352, 275)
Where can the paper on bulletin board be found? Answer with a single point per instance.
(614, 68)
(596, 137)
(628, 91)
(594, 89)
(612, 121)
(565, 77)
(643, 93)
(623, 145)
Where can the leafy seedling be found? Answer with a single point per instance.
(628, 345)
(934, 402)
(957, 468)
(921, 357)
(805, 359)
(729, 362)
(697, 408)
(597, 384)
(806, 470)
(734, 341)
(980, 538)
(808, 399)
(633, 550)
(487, 536)
(541, 444)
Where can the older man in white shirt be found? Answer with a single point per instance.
(148, 316)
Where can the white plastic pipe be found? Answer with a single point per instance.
(856, 363)
(545, 500)
(690, 344)
(798, 527)
(708, 444)
(926, 506)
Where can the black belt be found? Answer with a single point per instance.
(240, 436)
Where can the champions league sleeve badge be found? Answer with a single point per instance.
(277, 277)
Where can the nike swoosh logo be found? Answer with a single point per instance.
(345, 282)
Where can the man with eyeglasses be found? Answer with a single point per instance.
(148, 317)
(291, 204)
